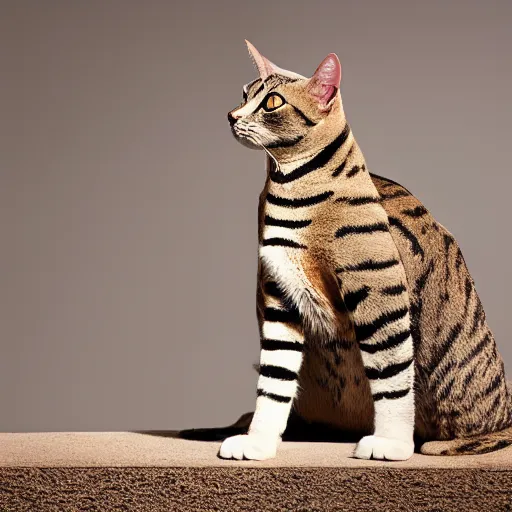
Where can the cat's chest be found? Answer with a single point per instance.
(285, 266)
(285, 246)
(301, 284)
(287, 260)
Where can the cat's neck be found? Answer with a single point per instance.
(335, 154)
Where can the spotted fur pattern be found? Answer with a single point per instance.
(369, 319)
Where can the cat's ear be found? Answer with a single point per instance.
(265, 67)
(324, 84)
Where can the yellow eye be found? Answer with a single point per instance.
(274, 101)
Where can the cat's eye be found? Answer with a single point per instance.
(273, 102)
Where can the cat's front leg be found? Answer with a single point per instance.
(280, 360)
(375, 293)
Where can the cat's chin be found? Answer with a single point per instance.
(246, 142)
(249, 144)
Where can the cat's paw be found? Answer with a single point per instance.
(249, 446)
(384, 448)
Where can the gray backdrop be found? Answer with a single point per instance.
(128, 212)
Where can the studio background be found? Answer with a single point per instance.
(128, 230)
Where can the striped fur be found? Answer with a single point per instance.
(365, 303)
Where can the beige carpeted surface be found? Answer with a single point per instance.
(125, 471)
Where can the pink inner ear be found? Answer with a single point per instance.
(326, 80)
(329, 71)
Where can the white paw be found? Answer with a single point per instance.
(384, 448)
(249, 446)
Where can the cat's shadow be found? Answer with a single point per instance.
(297, 430)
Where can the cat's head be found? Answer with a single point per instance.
(284, 112)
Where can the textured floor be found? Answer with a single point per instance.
(126, 471)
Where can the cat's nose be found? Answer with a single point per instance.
(231, 119)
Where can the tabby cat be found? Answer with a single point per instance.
(365, 303)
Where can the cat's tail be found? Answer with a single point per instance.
(476, 445)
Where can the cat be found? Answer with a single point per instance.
(369, 318)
